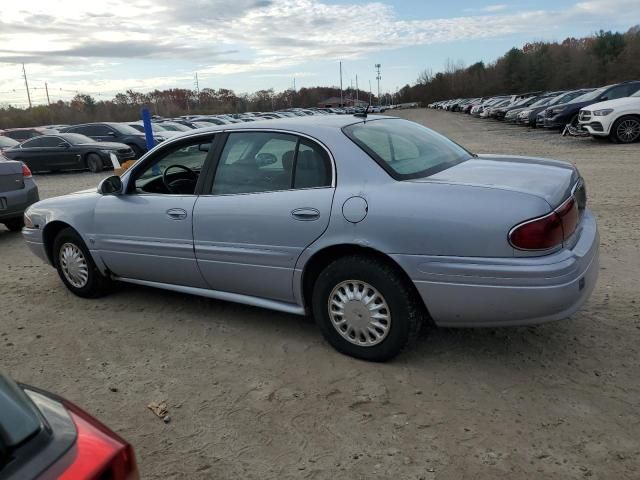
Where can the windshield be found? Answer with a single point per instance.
(405, 149)
(124, 129)
(8, 142)
(77, 139)
(589, 96)
(175, 127)
(541, 102)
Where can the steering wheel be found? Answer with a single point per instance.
(174, 186)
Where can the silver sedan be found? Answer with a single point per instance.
(375, 226)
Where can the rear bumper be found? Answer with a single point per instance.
(490, 292)
(15, 202)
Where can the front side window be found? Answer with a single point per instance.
(254, 162)
(174, 170)
(405, 149)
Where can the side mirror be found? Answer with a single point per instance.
(264, 159)
(63, 145)
(111, 134)
(110, 186)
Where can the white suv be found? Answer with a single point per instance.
(617, 119)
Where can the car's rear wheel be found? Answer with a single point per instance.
(94, 163)
(14, 224)
(365, 308)
(626, 130)
(76, 267)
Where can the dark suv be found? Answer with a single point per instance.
(567, 113)
(113, 132)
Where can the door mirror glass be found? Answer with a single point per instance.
(110, 186)
(265, 159)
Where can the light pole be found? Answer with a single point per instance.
(378, 77)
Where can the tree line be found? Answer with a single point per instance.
(600, 59)
(167, 103)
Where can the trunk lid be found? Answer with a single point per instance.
(551, 180)
(11, 177)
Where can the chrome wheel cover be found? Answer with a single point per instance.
(359, 313)
(74, 265)
(629, 130)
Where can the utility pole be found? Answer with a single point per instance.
(378, 77)
(26, 84)
(341, 101)
(369, 92)
(197, 86)
(357, 99)
(46, 89)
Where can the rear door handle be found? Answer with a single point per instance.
(305, 214)
(177, 214)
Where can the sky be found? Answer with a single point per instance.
(102, 48)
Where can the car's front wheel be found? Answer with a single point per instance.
(626, 130)
(76, 267)
(365, 308)
(94, 163)
(14, 224)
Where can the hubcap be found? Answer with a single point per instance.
(629, 130)
(74, 265)
(359, 313)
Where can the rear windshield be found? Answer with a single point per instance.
(405, 149)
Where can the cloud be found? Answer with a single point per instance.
(494, 8)
(257, 37)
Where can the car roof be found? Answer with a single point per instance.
(307, 125)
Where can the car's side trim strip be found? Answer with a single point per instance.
(218, 295)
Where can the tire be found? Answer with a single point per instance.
(94, 163)
(90, 283)
(626, 129)
(14, 224)
(383, 285)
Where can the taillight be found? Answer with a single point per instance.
(98, 452)
(26, 173)
(548, 231)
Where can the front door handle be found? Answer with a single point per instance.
(177, 214)
(305, 214)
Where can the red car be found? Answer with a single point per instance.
(45, 436)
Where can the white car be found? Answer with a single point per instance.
(617, 119)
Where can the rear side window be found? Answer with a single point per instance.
(313, 166)
(254, 162)
(405, 149)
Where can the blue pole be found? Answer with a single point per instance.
(148, 132)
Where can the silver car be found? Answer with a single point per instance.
(374, 226)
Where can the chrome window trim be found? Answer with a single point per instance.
(180, 138)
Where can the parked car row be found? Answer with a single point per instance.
(611, 111)
(103, 145)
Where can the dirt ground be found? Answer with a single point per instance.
(257, 394)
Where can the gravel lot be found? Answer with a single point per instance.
(258, 394)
